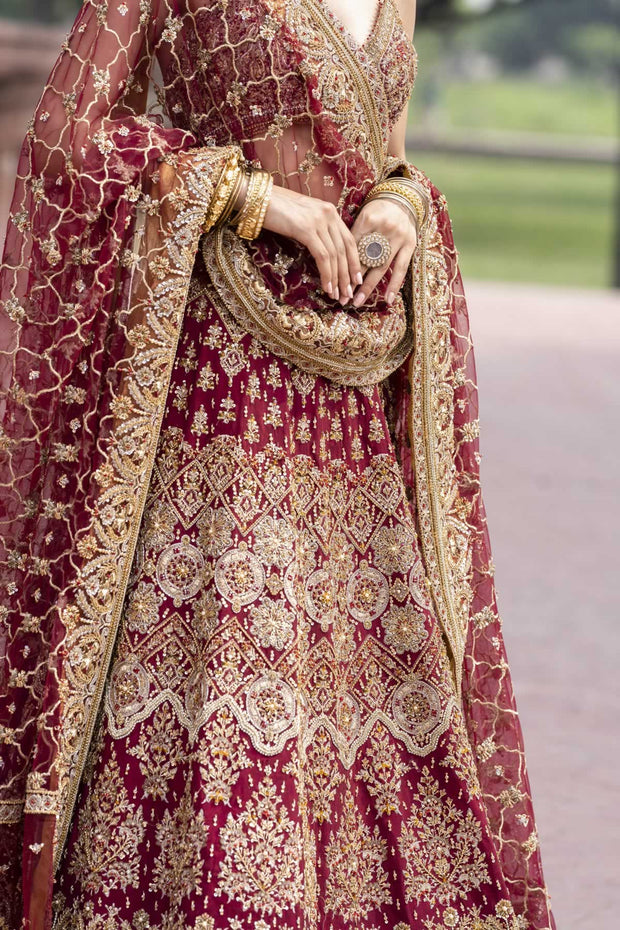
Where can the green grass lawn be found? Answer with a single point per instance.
(516, 220)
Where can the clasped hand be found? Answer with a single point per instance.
(317, 225)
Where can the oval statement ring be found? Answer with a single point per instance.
(374, 249)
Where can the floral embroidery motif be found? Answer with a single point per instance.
(274, 541)
(215, 530)
(239, 577)
(382, 772)
(442, 847)
(394, 548)
(504, 918)
(159, 750)
(272, 624)
(367, 594)
(179, 570)
(271, 708)
(323, 776)
(405, 629)
(357, 880)
(181, 837)
(222, 758)
(106, 855)
(142, 609)
(262, 850)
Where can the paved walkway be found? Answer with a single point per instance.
(549, 375)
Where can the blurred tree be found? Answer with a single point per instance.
(59, 10)
(584, 34)
(44, 11)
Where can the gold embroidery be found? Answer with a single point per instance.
(270, 532)
(357, 881)
(110, 830)
(262, 851)
(124, 478)
(349, 347)
(382, 772)
(222, 758)
(159, 752)
(442, 847)
(503, 919)
(181, 838)
(322, 775)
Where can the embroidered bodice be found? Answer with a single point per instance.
(386, 47)
(363, 88)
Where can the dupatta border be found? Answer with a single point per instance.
(155, 348)
(347, 350)
(445, 537)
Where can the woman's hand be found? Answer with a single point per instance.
(394, 222)
(317, 224)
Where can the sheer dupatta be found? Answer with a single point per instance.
(104, 230)
(433, 404)
(103, 233)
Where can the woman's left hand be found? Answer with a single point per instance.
(394, 222)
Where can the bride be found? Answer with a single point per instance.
(252, 672)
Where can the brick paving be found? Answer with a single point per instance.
(548, 369)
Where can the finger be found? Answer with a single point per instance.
(328, 216)
(344, 279)
(373, 275)
(322, 256)
(371, 279)
(331, 247)
(399, 270)
(356, 269)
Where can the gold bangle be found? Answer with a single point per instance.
(248, 224)
(263, 207)
(228, 207)
(417, 190)
(250, 195)
(256, 215)
(407, 189)
(387, 187)
(403, 201)
(235, 215)
(221, 193)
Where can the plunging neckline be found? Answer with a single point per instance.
(336, 21)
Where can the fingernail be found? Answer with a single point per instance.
(329, 287)
(337, 293)
(360, 297)
(358, 278)
(390, 297)
(349, 290)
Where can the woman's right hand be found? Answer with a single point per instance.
(316, 224)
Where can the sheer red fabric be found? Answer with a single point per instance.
(103, 235)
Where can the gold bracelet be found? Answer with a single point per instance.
(235, 215)
(259, 185)
(407, 189)
(263, 207)
(225, 184)
(403, 201)
(230, 203)
(417, 190)
(250, 195)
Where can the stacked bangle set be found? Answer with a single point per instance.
(254, 184)
(241, 197)
(406, 192)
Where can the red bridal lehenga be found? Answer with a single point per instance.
(252, 673)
